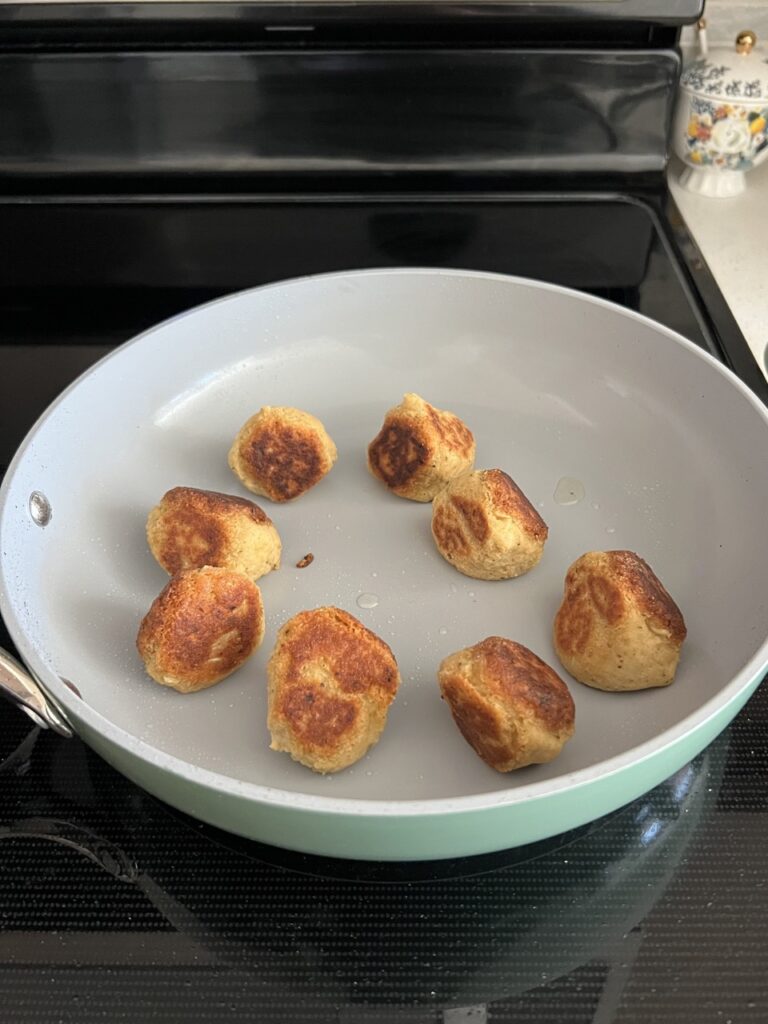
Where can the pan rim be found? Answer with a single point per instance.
(355, 806)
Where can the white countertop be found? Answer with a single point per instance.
(732, 235)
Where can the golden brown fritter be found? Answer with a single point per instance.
(419, 449)
(331, 682)
(191, 528)
(281, 452)
(618, 628)
(485, 526)
(511, 707)
(203, 626)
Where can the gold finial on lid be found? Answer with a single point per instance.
(701, 26)
(745, 41)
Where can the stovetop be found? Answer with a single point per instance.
(116, 907)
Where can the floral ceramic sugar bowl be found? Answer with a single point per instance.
(721, 122)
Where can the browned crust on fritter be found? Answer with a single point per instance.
(203, 625)
(606, 597)
(448, 534)
(452, 431)
(624, 576)
(584, 591)
(409, 439)
(485, 526)
(481, 724)
(519, 674)
(503, 682)
(573, 622)
(474, 516)
(358, 659)
(285, 459)
(331, 679)
(188, 526)
(215, 501)
(398, 451)
(317, 719)
(509, 500)
(649, 592)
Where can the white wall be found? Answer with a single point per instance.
(726, 18)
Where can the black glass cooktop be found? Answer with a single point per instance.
(113, 907)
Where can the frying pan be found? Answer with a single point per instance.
(667, 447)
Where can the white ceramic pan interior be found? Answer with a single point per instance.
(670, 449)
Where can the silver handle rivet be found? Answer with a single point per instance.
(40, 508)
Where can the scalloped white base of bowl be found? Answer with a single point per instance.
(718, 184)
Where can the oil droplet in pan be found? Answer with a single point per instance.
(367, 600)
(569, 491)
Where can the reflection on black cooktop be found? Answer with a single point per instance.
(120, 266)
(99, 875)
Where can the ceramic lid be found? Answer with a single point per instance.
(732, 73)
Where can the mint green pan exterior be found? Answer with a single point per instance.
(671, 451)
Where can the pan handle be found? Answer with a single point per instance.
(23, 690)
